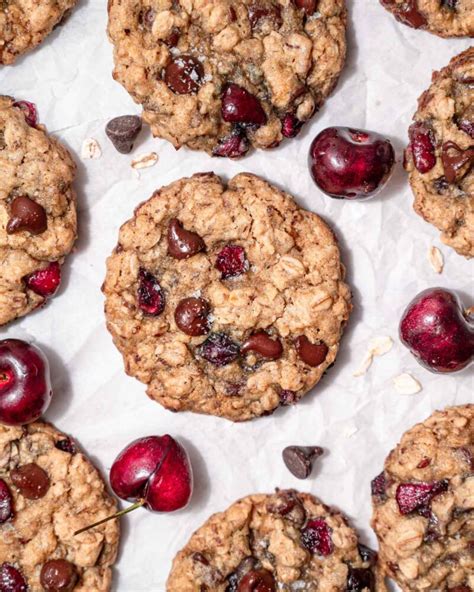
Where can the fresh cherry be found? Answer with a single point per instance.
(154, 472)
(436, 331)
(240, 106)
(11, 580)
(350, 163)
(25, 385)
(45, 282)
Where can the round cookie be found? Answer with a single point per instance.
(285, 542)
(25, 23)
(423, 505)
(222, 76)
(440, 155)
(445, 18)
(48, 490)
(37, 210)
(226, 299)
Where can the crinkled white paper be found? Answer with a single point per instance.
(384, 245)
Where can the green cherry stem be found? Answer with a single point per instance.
(136, 505)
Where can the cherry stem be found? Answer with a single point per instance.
(136, 505)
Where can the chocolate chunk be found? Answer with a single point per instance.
(31, 480)
(184, 75)
(183, 243)
(259, 580)
(312, 354)
(123, 131)
(192, 316)
(299, 459)
(26, 214)
(58, 575)
(6, 502)
(263, 344)
(454, 159)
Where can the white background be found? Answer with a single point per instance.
(384, 246)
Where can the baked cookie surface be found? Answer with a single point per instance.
(284, 542)
(48, 490)
(226, 299)
(440, 156)
(446, 18)
(222, 76)
(25, 23)
(37, 210)
(423, 504)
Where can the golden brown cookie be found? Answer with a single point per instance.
(446, 18)
(226, 299)
(423, 505)
(440, 156)
(286, 542)
(222, 76)
(37, 210)
(48, 490)
(25, 23)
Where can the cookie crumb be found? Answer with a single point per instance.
(436, 259)
(405, 384)
(90, 149)
(145, 161)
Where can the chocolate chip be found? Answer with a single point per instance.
(263, 344)
(454, 159)
(367, 554)
(6, 502)
(299, 459)
(31, 480)
(28, 215)
(58, 575)
(184, 75)
(146, 18)
(259, 580)
(360, 580)
(451, 4)
(308, 6)
(260, 12)
(285, 503)
(66, 445)
(312, 354)
(183, 243)
(409, 14)
(123, 131)
(192, 316)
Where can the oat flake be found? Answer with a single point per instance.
(145, 160)
(436, 259)
(90, 149)
(405, 384)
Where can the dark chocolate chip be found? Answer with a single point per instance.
(261, 343)
(312, 354)
(58, 575)
(31, 480)
(299, 459)
(184, 75)
(192, 316)
(123, 131)
(183, 243)
(26, 214)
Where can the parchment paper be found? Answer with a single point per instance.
(384, 244)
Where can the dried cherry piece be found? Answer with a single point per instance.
(316, 537)
(422, 146)
(231, 261)
(6, 502)
(413, 496)
(11, 580)
(45, 282)
(29, 111)
(151, 299)
(219, 349)
(241, 106)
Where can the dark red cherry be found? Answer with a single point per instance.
(46, 281)
(218, 349)
(413, 496)
(350, 163)
(316, 537)
(231, 261)
(235, 145)
(436, 331)
(151, 299)
(422, 146)
(240, 106)
(29, 111)
(290, 125)
(25, 385)
(308, 6)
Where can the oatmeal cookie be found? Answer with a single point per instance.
(423, 505)
(48, 490)
(446, 18)
(440, 155)
(25, 23)
(226, 299)
(37, 210)
(222, 76)
(288, 542)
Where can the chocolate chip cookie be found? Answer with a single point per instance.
(424, 505)
(284, 542)
(25, 23)
(48, 490)
(37, 210)
(222, 76)
(226, 299)
(440, 156)
(446, 18)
